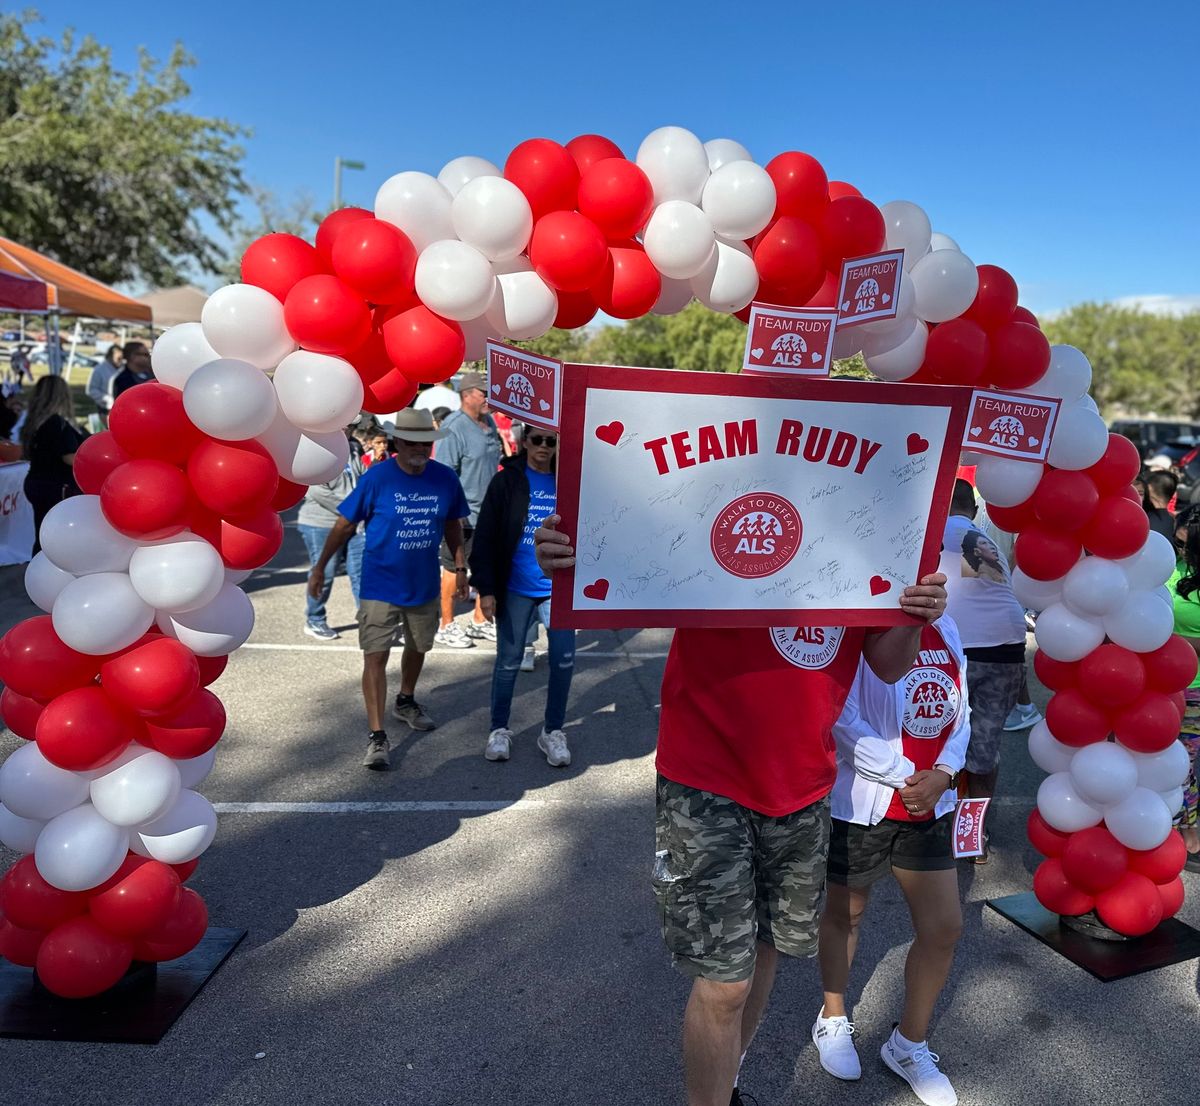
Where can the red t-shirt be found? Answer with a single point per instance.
(932, 692)
(748, 714)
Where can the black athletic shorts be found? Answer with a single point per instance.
(859, 855)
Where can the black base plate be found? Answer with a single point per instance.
(138, 1010)
(1172, 942)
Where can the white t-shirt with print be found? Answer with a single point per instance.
(980, 587)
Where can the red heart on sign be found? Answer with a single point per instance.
(611, 434)
(916, 444)
(879, 585)
(598, 590)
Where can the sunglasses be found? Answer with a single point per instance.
(538, 439)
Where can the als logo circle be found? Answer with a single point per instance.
(756, 535)
(807, 646)
(931, 701)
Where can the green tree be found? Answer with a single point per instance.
(642, 342)
(104, 170)
(705, 340)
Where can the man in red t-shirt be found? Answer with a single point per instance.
(746, 761)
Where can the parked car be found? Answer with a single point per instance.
(1151, 436)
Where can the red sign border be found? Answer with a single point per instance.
(526, 416)
(757, 308)
(1019, 397)
(874, 317)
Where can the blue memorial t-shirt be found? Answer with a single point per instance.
(527, 578)
(405, 518)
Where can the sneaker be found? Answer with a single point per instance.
(499, 744)
(740, 1099)
(378, 748)
(554, 745)
(529, 659)
(1022, 716)
(834, 1038)
(409, 710)
(919, 1069)
(453, 636)
(322, 631)
(484, 631)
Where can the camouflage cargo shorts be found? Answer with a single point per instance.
(726, 877)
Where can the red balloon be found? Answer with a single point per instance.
(1119, 466)
(1012, 519)
(1064, 500)
(1044, 837)
(801, 186)
(391, 392)
(575, 309)
(1147, 725)
(377, 260)
(20, 946)
(1024, 315)
(1057, 893)
(332, 226)
(617, 196)
(1112, 675)
(371, 360)
(1074, 719)
(840, 188)
(146, 499)
(20, 713)
(152, 679)
(956, 353)
(850, 227)
(248, 542)
(1131, 493)
(139, 898)
(79, 959)
(1018, 356)
(29, 902)
(1046, 554)
(1172, 666)
(996, 299)
(34, 661)
(184, 871)
(149, 421)
(179, 934)
(568, 251)
(1093, 860)
(1132, 906)
(211, 668)
(233, 479)
(546, 173)
(587, 149)
(96, 457)
(83, 729)
(1171, 895)
(326, 315)
(1180, 701)
(629, 285)
(425, 347)
(1162, 864)
(278, 262)
(191, 729)
(1056, 675)
(787, 256)
(287, 494)
(1118, 528)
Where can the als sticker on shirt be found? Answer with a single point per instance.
(809, 647)
(931, 702)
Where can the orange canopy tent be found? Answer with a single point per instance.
(67, 292)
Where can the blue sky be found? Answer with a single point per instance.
(1056, 139)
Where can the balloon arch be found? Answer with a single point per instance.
(139, 575)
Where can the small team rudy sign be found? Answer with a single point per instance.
(968, 827)
(789, 341)
(523, 385)
(868, 288)
(1010, 425)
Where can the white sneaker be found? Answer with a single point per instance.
(554, 745)
(453, 636)
(484, 631)
(499, 744)
(1021, 717)
(834, 1038)
(529, 659)
(918, 1067)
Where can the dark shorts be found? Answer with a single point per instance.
(468, 541)
(726, 877)
(859, 855)
(992, 690)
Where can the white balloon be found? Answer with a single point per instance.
(1140, 820)
(492, 215)
(1152, 565)
(1090, 404)
(216, 629)
(195, 770)
(77, 537)
(679, 239)
(677, 164)
(721, 151)
(139, 786)
(849, 340)
(1095, 587)
(1079, 440)
(245, 323)
(524, 306)
(179, 835)
(1068, 377)
(230, 400)
(17, 833)
(79, 849)
(674, 297)
(305, 458)
(940, 241)
(179, 573)
(316, 392)
(32, 787)
(900, 362)
(238, 575)
(729, 279)
(454, 279)
(1142, 623)
(1165, 770)
(476, 332)
(1047, 752)
(945, 283)
(418, 204)
(1103, 773)
(1036, 595)
(1172, 800)
(908, 229)
(739, 199)
(1006, 481)
(1063, 807)
(458, 171)
(179, 352)
(44, 580)
(884, 334)
(101, 613)
(1065, 635)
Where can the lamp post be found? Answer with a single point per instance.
(340, 163)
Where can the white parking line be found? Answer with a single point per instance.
(399, 807)
(580, 654)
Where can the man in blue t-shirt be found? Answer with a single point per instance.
(408, 504)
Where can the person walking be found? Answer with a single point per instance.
(100, 383)
(50, 438)
(515, 592)
(408, 506)
(900, 748)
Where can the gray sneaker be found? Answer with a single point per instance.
(528, 659)
(499, 744)
(377, 757)
(554, 745)
(322, 631)
(481, 631)
(409, 710)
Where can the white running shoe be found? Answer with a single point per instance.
(453, 636)
(918, 1067)
(499, 744)
(834, 1038)
(528, 659)
(554, 745)
(484, 631)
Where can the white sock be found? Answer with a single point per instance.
(738, 1075)
(903, 1043)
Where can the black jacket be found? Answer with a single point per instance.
(502, 519)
